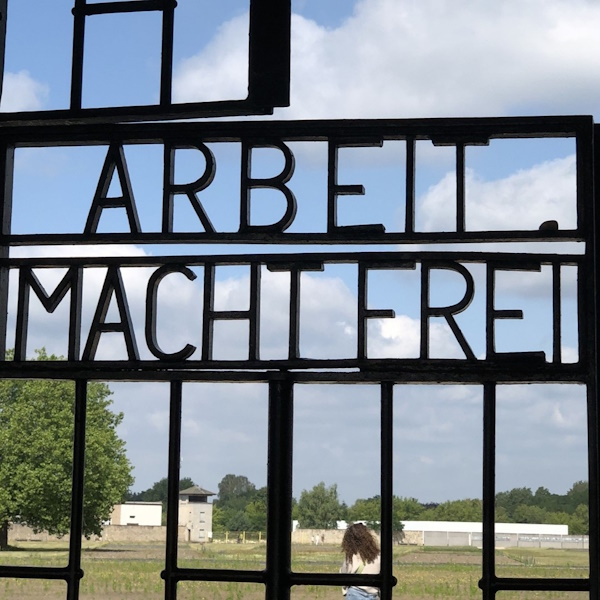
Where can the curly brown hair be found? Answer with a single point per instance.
(359, 540)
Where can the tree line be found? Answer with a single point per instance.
(241, 506)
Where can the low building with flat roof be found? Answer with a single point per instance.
(137, 513)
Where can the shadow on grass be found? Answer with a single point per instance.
(102, 550)
(33, 549)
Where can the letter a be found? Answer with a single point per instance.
(113, 286)
(115, 159)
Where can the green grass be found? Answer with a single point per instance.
(132, 572)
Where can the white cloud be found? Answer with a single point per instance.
(401, 338)
(427, 58)
(523, 200)
(21, 92)
(220, 71)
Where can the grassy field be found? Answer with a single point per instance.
(128, 572)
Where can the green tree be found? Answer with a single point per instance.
(218, 519)
(36, 433)
(238, 522)
(407, 509)
(241, 506)
(529, 514)
(579, 523)
(500, 515)
(369, 510)
(159, 491)
(576, 496)
(320, 507)
(256, 511)
(234, 488)
(513, 498)
(366, 509)
(467, 510)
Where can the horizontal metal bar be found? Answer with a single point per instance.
(260, 577)
(38, 572)
(126, 6)
(330, 238)
(383, 260)
(337, 579)
(88, 116)
(217, 575)
(17, 126)
(541, 584)
(350, 370)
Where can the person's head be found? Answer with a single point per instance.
(359, 540)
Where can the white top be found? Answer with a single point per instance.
(367, 569)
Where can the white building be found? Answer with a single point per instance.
(137, 513)
(476, 527)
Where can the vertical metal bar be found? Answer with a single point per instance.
(590, 294)
(254, 313)
(424, 350)
(208, 310)
(75, 310)
(490, 322)
(588, 220)
(7, 156)
(77, 490)
(279, 486)
(489, 492)
(3, 15)
(269, 52)
(460, 188)
(362, 308)
(556, 314)
(294, 334)
(166, 60)
(593, 489)
(410, 185)
(173, 491)
(332, 162)
(77, 59)
(387, 499)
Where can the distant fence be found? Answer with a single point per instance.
(317, 536)
(133, 533)
(129, 533)
(505, 540)
(110, 533)
(239, 537)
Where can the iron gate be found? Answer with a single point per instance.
(84, 127)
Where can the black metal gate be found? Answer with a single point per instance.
(83, 127)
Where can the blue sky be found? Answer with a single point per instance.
(350, 59)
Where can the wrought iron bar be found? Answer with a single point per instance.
(77, 491)
(489, 578)
(279, 489)
(171, 569)
(387, 492)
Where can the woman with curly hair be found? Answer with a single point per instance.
(361, 551)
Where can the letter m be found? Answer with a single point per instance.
(28, 281)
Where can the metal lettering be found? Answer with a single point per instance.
(277, 182)
(115, 160)
(72, 282)
(170, 189)
(151, 312)
(113, 285)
